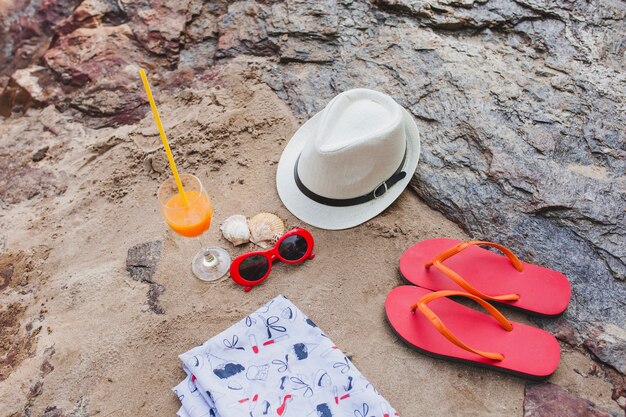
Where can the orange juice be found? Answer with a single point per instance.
(191, 220)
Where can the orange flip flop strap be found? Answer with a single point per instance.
(441, 328)
(438, 263)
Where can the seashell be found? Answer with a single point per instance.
(265, 227)
(235, 229)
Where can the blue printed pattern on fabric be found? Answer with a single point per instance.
(275, 362)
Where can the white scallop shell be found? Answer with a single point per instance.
(235, 229)
(265, 228)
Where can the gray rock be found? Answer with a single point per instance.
(142, 260)
(522, 142)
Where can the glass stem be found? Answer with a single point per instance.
(209, 260)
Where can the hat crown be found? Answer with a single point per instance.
(360, 142)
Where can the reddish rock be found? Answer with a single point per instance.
(6, 273)
(549, 400)
(618, 393)
(29, 87)
(15, 343)
(159, 25)
(92, 54)
(94, 62)
(565, 332)
(27, 29)
(19, 181)
(99, 67)
(94, 13)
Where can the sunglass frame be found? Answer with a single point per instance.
(271, 255)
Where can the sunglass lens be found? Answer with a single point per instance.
(254, 267)
(293, 247)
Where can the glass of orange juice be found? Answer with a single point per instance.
(192, 220)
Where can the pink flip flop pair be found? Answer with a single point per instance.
(426, 318)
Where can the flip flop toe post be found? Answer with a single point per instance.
(435, 325)
(449, 264)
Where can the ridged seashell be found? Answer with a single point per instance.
(235, 229)
(265, 227)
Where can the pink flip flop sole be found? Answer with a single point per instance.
(528, 351)
(541, 290)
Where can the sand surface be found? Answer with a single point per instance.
(79, 332)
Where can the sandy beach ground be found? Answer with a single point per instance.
(81, 337)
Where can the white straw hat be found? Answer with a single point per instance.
(350, 161)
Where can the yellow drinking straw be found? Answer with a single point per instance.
(166, 145)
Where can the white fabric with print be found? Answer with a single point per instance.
(195, 402)
(275, 362)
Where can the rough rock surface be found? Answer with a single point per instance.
(143, 259)
(548, 400)
(520, 104)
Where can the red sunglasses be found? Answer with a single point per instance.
(253, 268)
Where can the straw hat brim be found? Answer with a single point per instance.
(338, 218)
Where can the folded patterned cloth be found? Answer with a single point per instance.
(195, 402)
(276, 362)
